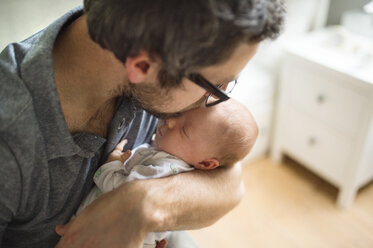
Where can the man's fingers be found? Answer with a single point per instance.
(161, 244)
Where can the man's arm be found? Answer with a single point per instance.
(193, 200)
(123, 217)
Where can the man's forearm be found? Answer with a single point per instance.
(187, 201)
(191, 200)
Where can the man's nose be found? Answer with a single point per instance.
(171, 122)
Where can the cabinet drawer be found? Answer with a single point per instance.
(326, 97)
(322, 149)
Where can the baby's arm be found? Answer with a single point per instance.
(145, 163)
(112, 174)
(109, 176)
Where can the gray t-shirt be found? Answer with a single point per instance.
(45, 171)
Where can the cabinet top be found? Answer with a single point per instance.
(336, 48)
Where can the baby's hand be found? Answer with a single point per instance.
(118, 153)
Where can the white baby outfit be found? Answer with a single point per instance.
(144, 163)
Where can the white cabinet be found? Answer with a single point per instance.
(258, 81)
(324, 120)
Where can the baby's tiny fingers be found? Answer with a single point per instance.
(121, 145)
(125, 155)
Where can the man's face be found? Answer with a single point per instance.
(168, 102)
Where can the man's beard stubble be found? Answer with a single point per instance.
(150, 95)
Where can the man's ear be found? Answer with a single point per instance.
(207, 164)
(141, 68)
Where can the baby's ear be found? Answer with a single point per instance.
(207, 164)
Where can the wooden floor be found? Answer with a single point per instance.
(287, 206)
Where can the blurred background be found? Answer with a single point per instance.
(309, 177)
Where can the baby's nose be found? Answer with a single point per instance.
(170, 122)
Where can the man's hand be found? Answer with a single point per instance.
(124, 216)
(113, 220)
(161, 244)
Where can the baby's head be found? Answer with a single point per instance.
(208, 137)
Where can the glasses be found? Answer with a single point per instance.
(218, 93)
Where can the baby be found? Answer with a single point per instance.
(202, 138)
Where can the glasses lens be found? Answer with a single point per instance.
(211, 100)
(230, 86)
(227, 88)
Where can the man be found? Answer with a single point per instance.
(70, 93)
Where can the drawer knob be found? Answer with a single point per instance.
(311, 141)
(320, 98)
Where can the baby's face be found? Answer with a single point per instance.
(187, 136)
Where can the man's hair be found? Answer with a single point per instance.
(186, 35)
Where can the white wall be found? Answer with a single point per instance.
(21, 18)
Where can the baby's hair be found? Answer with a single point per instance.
(238, 132)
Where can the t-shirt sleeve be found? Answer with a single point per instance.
(10, 185)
